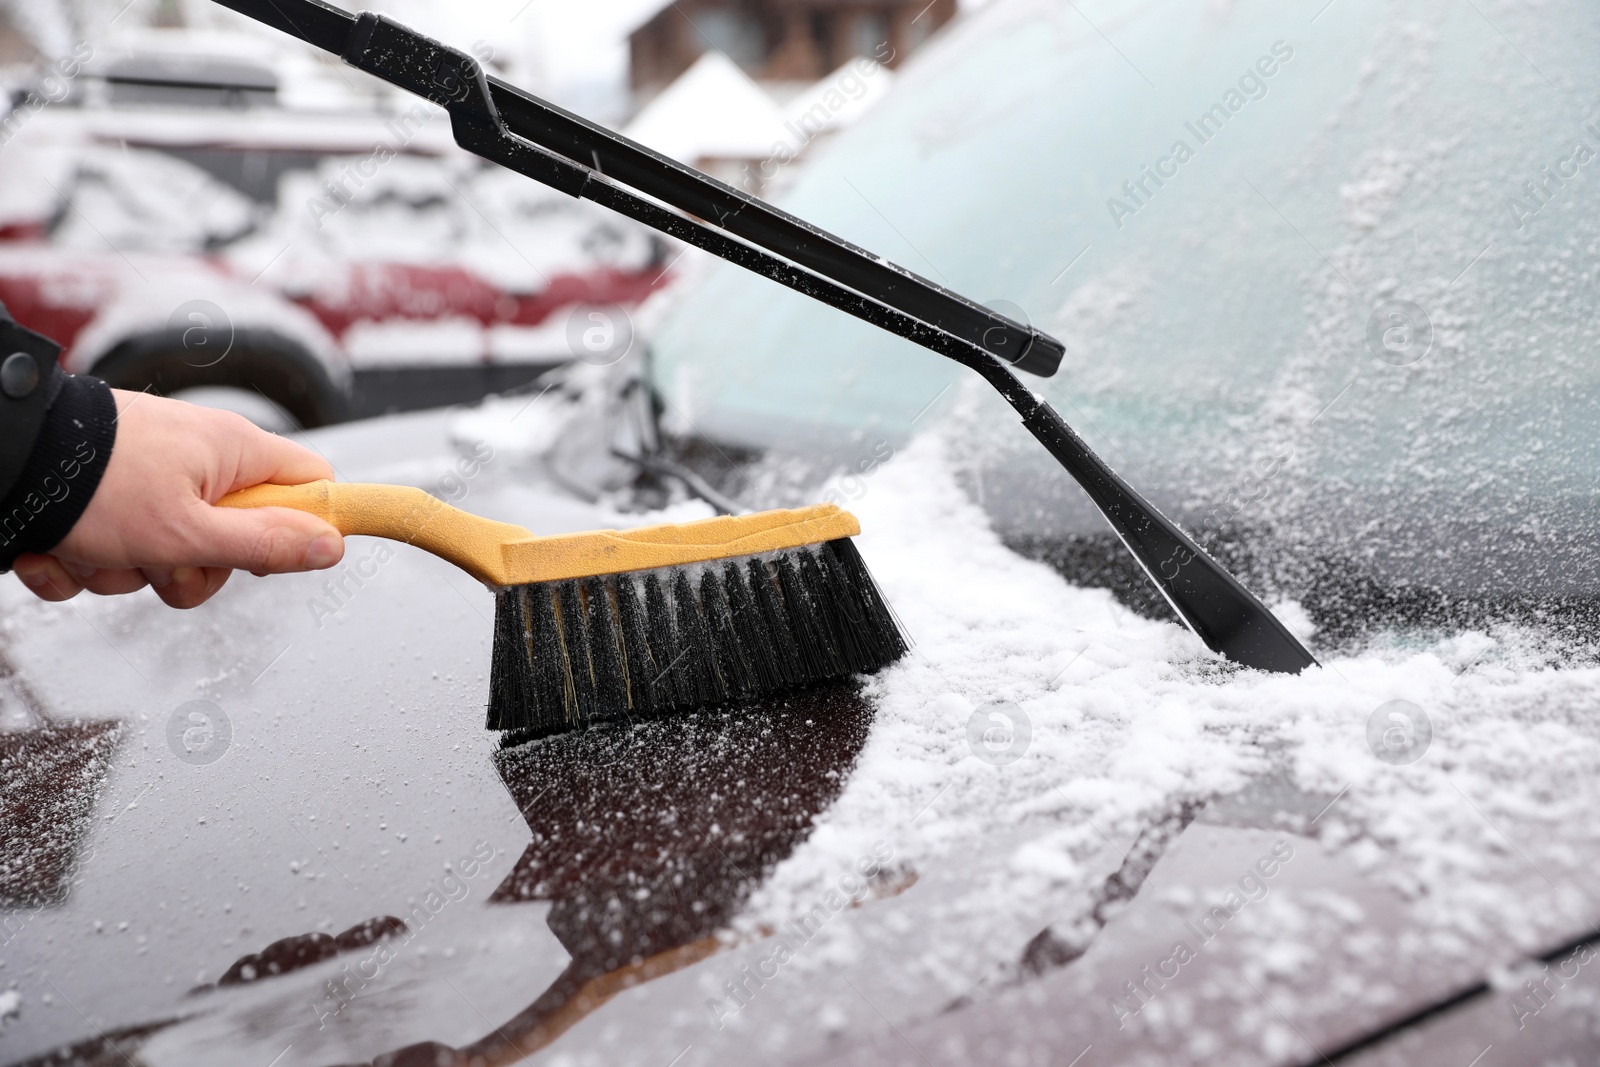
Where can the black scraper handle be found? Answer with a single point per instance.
(534, 138)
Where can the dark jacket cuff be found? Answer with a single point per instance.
(63, 470)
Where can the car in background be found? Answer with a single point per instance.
(1350, 328)
(183, 218)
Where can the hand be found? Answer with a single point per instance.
(151, 519)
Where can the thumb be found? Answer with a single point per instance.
(264, 540)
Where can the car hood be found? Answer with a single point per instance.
(985, 852)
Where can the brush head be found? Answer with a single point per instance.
(582, 651)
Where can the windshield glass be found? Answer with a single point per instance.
(1320, 283)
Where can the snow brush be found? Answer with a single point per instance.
(508, 126)
(613, 625)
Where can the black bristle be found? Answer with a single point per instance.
(510, 690)
(641, 663)
(698, 671)
(571, 654)
(818, 657)
(876, 627)
(605, 653)
(667, 689)
(528, 691)
(769, 602)
(755, 638)
(579, 671)
(815, 574)
(852, 621)
(737, 672)
(547, 673)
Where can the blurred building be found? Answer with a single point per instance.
(715, 118)
(15, 47)
(712, 117)
(780, 41)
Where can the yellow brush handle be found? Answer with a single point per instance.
(400, 513)
(502, 554)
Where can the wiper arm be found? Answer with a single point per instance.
(505, 125)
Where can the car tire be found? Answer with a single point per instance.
(277, 368)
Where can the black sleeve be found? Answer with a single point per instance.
(56, 434)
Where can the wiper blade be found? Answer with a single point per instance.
(505, 125)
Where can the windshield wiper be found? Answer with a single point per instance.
(505, 125)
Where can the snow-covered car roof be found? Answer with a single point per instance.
(137, 68)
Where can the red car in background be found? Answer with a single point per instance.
(177, 222)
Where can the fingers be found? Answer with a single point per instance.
(181, 587)
(264, 540)
(107, 581)
(188, 587)
(45, 577)
(266, 457)
(54, 579)
(151, 520)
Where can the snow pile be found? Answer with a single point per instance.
(1132, 719)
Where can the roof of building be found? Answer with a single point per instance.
(712, 111)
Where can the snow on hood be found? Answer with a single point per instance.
(1131, 719)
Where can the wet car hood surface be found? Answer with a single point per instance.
(279, 820)
(350, 871)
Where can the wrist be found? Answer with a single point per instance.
(63, 470)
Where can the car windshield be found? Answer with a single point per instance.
(1321, 286)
